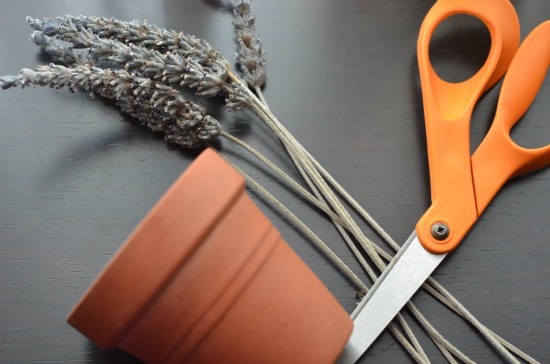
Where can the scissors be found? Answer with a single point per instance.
(462, 185)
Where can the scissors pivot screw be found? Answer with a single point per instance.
(440, 231)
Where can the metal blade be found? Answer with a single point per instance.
(400, 280)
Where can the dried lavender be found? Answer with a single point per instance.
(169, 67)
(59, 52)
(158, 106)
(250, 56)
(144, 34)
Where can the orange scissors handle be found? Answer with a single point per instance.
(499, 158)
(448, 109)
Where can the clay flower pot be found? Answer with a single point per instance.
(206, 278)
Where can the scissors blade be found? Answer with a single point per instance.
(400, 280)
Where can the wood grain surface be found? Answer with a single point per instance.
(76, 175)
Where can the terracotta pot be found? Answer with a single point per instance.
(206, 278)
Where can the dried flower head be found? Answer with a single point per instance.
(250, 56)
(158, 106)
(192, 63)
(144, 34)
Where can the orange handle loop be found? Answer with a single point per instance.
(448, 108)
(499, 158)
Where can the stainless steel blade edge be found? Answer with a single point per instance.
(400, 280)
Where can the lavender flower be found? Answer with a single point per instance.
(168, 67)
(156, 105)
(143, 34)
(250, 56)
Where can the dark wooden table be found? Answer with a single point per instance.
(76, 175)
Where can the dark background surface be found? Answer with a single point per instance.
(76, 175)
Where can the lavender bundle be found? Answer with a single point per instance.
(145, 61)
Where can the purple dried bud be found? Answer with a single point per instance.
(36, 24)
(50, 27)
(247, 39)
(38, 38)
(237, 99)
(242, 8)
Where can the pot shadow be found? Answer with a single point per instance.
(89, 148)
(102, 144)
(116, 356)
